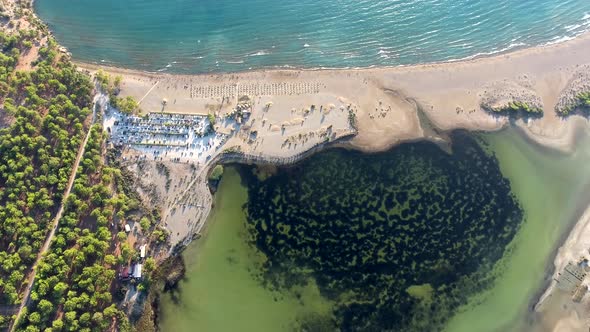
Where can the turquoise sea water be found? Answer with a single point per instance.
(190, 36)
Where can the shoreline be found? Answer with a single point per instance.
(570, 247)
(541, 72)
(475, 57)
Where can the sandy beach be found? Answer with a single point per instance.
(294, 110)
(386, 100)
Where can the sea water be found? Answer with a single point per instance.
(194, 36)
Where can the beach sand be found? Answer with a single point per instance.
(386, 99)
(293, 110)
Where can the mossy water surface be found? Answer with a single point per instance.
(396, 240)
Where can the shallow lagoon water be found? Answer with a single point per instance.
(219, 292)
(553, 189)
(223, 290)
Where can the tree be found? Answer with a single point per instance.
(161, 235)
(50, 106)
(110, 259)
(32, 328)
(45, 307)
(127, 105)
(211, 119)
(216, 173)
(149, 265)
(59, 290)
(70, 316)
(98, 319)
(34, 318)
(57, 325)
(85, 319)
(117, 81)
(145, 224)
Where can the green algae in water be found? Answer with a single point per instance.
(370, 228)
(221, 291)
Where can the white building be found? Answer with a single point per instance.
(137, 271)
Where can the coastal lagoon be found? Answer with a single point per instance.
(221, 291)
(195, 36)
(382, 245)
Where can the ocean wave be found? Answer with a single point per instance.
(259, 53)
(510, 47)
(560, 39)
(386, 54)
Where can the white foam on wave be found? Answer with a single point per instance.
(573, 27)
(259, 53)
(386, 54)
(305, 45)
(350, 55)
(510, 47)
(560, 39)
(582, 26)
(166, 67)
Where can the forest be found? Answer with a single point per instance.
(45, 112)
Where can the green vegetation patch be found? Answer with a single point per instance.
(216, 173)
(398, 240)
(112, 86)
(516, 108)
(581, 103)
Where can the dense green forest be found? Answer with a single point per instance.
(72, 291)
(44, 115)
(46, 109)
